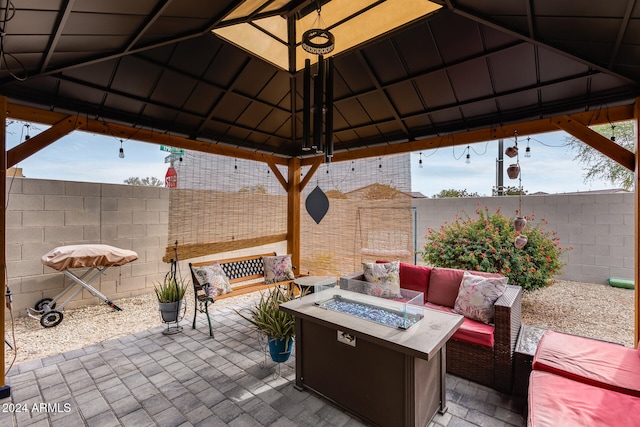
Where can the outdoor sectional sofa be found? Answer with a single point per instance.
(479, 352)
(578, 381)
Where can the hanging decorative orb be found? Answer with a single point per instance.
(513, 171)
(318, 41)
(511, 151)
(521, 241)
(519, 223)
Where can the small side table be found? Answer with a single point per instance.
(526, 346)
(307, 283)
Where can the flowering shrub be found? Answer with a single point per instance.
(486, 243)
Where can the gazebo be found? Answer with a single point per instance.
(228, 77)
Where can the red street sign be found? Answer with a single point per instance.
(171, 178)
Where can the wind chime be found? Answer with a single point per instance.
(519, 222)
(317, 114)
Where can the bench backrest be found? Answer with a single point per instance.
(240, 269)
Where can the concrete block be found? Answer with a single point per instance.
(42, 187)
(131, 284)
(13, 219)
(91, 234)
(132, 230)
(22, 268)
(609, 240)
(117, 191)
(34, 251)
(146, 217)
(109, 204)
(581, 259)
(14, 185)
(52, 284)
(115, 217)
(131, 204)
(597, 250)
(64, 234)
(43, 219)
(91, 204)
(146, 192)
(621, 272)
(146, 243)
(610, 219)
(62, 203)
(161, 205)
(596, 270)
(621, 229)
(583, 218)
(609, 261)
(25, 235)
(26, 202)
(79, 217)
(620, 208)
(144, 268)
(621, 251)
(108, 232)
(584, 239)
(629, 219)
(157, 230)
(14, 252)
(82, 188)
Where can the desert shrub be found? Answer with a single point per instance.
(486, 243)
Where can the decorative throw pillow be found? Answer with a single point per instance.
(277, 268)
(384, 279)
(213, 279)
(477, 295)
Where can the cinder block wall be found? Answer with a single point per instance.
(44, 214)
(599, 227)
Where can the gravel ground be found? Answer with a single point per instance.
(593, 310)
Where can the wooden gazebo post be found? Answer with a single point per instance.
(293, 211)
(636, 114)
(5, 390)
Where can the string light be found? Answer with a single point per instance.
(613, 133)
(27, 136)
(121, 153)
(468, 160)
(420, 161)
(527, 151)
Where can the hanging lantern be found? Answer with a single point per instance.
(171, 178)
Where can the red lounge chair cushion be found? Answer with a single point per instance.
(558, 401)
(590, 361)
(444, 285)
(470, 331)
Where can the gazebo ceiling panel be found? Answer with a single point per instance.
(469, 64)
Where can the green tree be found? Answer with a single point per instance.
(600, 167)
(451, 192)
(150, 181)
(486, 243)
(514, 191)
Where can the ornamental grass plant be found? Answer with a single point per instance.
(486, 243)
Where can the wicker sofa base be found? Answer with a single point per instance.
(459, 355)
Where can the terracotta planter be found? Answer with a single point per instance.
(511, 151)
(513, 171)
(519, 223)
(521, 241)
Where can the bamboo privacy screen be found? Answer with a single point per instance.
(224, 204)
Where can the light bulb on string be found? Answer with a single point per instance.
(27, 136)
(613, 133)
(527, 151)
(420, 161)
(468, 159)
(121, 152)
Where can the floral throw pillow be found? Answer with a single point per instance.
(384, 279)
(477, 295)
(277, 268)
(213, 279)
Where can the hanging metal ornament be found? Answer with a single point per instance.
(318, 41)
(317, 204)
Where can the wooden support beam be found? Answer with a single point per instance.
(636, 333)
(278, 175)
(590, 118)
(5, 390)
(312, 171)
(293, 213)
(30, 114)
(44, 139)
(598, 142)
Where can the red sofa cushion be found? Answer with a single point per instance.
(415, 278)
(444, 284)
(590, 361)
(471, 331)
(558, 401)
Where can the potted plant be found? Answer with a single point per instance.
(268, 319)
(170, 294)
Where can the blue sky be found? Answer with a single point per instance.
(86, 157)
